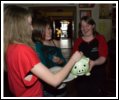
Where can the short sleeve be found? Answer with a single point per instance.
(76, 44)
(103, 48)
(27, 59)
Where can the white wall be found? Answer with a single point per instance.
(103, 26)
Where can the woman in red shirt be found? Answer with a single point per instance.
(23, 65)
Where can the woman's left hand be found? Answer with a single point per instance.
(57, 60)
(91, 64)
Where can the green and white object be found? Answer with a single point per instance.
(81, 67)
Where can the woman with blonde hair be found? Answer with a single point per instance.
(23, 65)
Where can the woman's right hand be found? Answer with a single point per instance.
(47, 76)
(77, 56)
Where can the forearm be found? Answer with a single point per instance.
(62, 74)
(100, 61)
(45, 74)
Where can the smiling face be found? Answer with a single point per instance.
(48, 32)
(87, 29)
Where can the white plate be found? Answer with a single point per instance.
(61, 86)
(70, 77)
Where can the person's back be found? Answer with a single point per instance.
(16, 55)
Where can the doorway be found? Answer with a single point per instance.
(63, 27)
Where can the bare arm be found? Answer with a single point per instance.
(55, 79)
(99, 61)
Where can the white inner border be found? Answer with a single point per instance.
(54, 2)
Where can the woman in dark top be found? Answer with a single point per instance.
(94, 46)
(48, 51)
(47, 48)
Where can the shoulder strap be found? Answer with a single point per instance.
(54, 43)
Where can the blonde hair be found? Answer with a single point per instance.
(16, 26)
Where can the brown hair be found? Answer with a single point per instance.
(16, 26)
(39, 28)
(89, 21)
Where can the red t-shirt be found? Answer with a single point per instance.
(20, 60)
